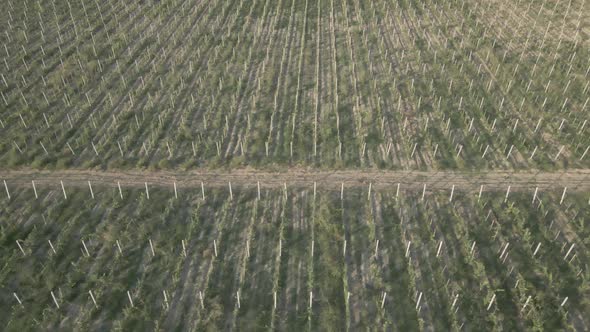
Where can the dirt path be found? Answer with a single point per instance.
(575, 180)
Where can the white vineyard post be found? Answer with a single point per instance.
(93, 299)
(507, 193)
(20, 247)
(91, 192)
(34, 189)
(54, 300)
(85, 248)
(51, 246)
(452, 192)
(152, 247)
(6, 187)
(120, 191)
(258, 187)
(563, 195)
(63, 189)
(130, 299)
(119, 247)
(491, 302)
(480, 191)
(18, 299)
(537, 249)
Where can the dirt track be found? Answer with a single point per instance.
(575, 180)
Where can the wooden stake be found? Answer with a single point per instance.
(6, 187)
(175, 192)
(20, 247)
(377, 248)
(491, 302)
(215, 247)
(16, 297)
(119, 247)
(54, 300)
(34, 189)
(152, 248)
(51, 245)
(258, 190)
(504, 251)
(63, 189)
(231, 195)
(165, 299)
(569, 251)
(559, 152)
(526, 302)
(537, 249)
(203, 190)
(418, 302)
(130, 299)
(533, 154)
(147, 192)
(564, 301)
(507, 193)
(452, 192)
(563, 195)
(85, 248)
(91, 192)
(480, 191)
(285, 189)
(93, 299)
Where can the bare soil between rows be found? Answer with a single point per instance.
(574, 180)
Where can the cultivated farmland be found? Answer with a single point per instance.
(297, 259)
(401, 84)
(294, 165)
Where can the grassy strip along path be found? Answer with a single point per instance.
(575, 180)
